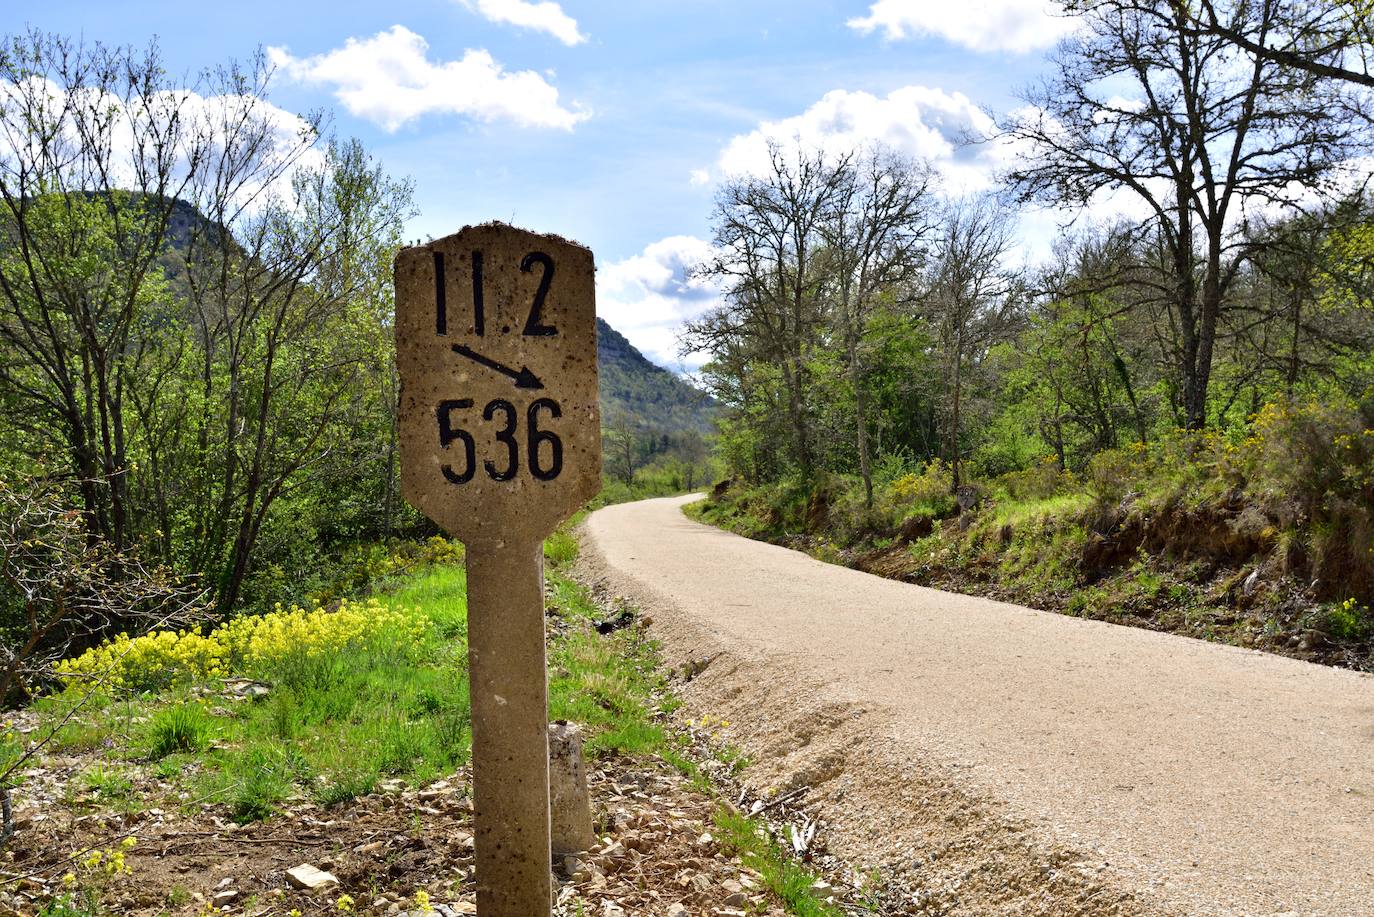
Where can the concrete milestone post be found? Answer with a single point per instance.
(500, 441)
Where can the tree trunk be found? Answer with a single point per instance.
(861, 421)
(954, 419)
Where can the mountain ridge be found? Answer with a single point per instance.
(654, 399)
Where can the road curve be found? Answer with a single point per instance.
(1194, 777)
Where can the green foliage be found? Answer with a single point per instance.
(242, 446)
(655, 400)
(782, 875)
(253, 781)
(929, 493)
(1165, 534)
(606, 684)
(1349, 620)
(183, 727)
(343, 716)
(560, 548)
(69, 906)
(108, 784)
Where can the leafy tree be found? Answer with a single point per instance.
(875, 238)
(193, 303)
(769, 238)
(973, 301)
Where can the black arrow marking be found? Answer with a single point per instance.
(523, 378)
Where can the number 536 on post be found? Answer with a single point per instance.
(496, 345)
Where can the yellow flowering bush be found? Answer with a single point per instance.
(931, 487)
(268, 644)
(148, 663)
(267, 641)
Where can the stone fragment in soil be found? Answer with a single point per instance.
(308, 878)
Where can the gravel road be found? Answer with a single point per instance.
(1055, 765)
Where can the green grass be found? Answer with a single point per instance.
(333, 727)
(108, 784)
(184, 727)
(342, 731)
(1017, 512)
(783, 876)
(608, 685)
(561, 548)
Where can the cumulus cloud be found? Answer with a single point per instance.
(541, 17)
(699, 177)
(389, 80)
(980, 25)
(926, 123)
(947, 129)
(647, 297)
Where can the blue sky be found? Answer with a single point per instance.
(609, 122)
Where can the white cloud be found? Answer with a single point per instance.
(980, 25)
(928, 124)
(947, 129)
(542, 17)
(699, 177)
(647, 297)
(390, 80)
(93, 132)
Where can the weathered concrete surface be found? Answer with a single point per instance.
(496, 348)
(500, 440)
(1201, 779)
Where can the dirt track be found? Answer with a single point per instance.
(1007, 760)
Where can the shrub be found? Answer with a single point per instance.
(1111, 474)
(850, 519)
(285, 643)
(931, 492)
(1040, 481)
(1349, 621)
(148, 663)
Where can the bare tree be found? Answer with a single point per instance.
(1206, 137)
(1333, 40)
(623, 446)
(875, 235)
(62, 591)
(973, 300)
(769, 240)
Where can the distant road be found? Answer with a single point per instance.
(1195, 778)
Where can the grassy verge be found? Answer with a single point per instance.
(1175, 554)
(327, 705)
(793, 883)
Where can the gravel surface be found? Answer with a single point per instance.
(1007, 760)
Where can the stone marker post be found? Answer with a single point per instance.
(569, 802)
(500, 438)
